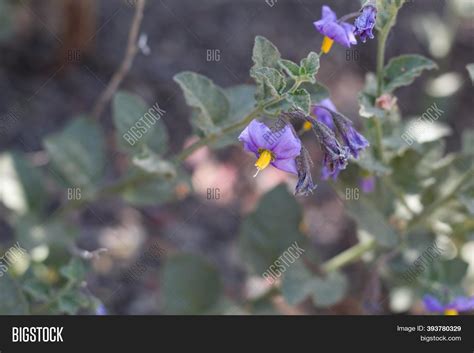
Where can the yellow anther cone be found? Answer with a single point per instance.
(327, 44)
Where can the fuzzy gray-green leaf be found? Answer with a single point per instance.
(205, 96)
(402, 70)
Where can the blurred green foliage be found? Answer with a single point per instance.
(441, 184)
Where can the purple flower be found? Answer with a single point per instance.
(355, 141)
(335, 155)
(367, 184)
(352, 138)
(323, 115)
(455, 306)
(305, 185)
(334, 30)
(101, 310)
(365, 23)
(278, 148)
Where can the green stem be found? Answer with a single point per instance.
(213, 137)
(348, 256)
(381, 43)
(378, 139)
(122, 184)
(382, 39)
(236, 126)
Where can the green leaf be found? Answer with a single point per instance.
(296, 284)
(155, 191)
(190, 285)
(21, 188)
(299, 283)
(242, 103)
(270, 230)
(329, 290)
(56, 234)
(265, 54)
(39, 291)
(292, 69)
(371, 220)
(468, 142)
(367, 108)
(78, 153)
(300, 100)
(272, 80)
(450, 272)
(12, 299)
(152, 163)
(310, 66)
(139, 125)
(470, 69)
(72, 301)
(402, 70)
(317, 91)
(455, 270)
(74, 271)
(467, 199)
(367, 162)
(265, 70)
(209, 99)
(387, 13)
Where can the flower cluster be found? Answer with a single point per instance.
(344, 33)
(454, 307)
(281, 147)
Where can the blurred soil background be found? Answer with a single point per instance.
(48, 88)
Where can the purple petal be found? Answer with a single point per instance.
(433, 304)
(339, 33)
(355, 141)
(328, 14)
(323, 115)
(367, 184)
(328, 25)
(462, 304)
(287, 145)
(327, 102)
(101, 310)
(332, 166)
(287, 165)
(365, 23)
(349, 32)
(254, 136)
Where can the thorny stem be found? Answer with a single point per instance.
(131, 52)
